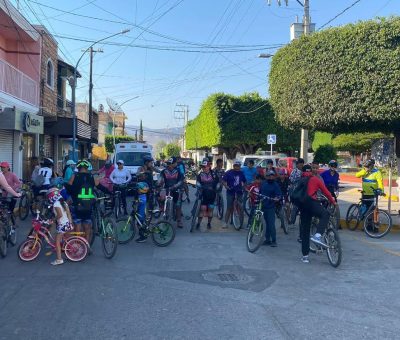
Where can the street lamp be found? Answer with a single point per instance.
(73, 85)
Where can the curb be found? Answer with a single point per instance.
(395, 227)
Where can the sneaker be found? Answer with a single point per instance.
(141, 239)
(56, 262)
(305, 259)
(267, 243)
(208, 226)
(317, 239)
(273, 244)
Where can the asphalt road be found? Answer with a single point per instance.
(206, 286)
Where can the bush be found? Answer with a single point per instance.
(324, 154)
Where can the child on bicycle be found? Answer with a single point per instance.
(63, 220)
(254, 190)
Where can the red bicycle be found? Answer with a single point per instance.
(74, 246)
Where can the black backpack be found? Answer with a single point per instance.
(298, 194)
(85, 197)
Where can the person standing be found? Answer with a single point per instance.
(12, 180)
(233, 181)
(331, 178)
(371, 180)
(294, 177)
(312, 207)
(120, 177)
(69, 170)
(270, 189)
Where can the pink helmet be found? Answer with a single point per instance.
(53, 195)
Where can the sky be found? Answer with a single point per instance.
(180, 51)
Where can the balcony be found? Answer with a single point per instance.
(18, 85)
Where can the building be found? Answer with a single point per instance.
(20, 58)
(105, 124)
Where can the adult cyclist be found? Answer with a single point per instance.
(182, 169)
(371, 180)
(172, 180)
(331, 178)
(145, 174)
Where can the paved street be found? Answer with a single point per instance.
(206, 286)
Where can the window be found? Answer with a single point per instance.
(50, 74)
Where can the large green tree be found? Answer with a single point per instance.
(238, 124)
(171, 149)
(356, 143)
(344, 79)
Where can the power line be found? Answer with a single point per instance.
(339, 14)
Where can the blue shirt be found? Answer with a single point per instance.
(68, 174)
(249, 174)
(329, 180)
(271, 190)
(181, 168)
(234, 180)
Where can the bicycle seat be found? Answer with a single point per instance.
(42, 192)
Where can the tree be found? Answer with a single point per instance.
(109, 141)
(237, 124)
(321, 138)
(324, 154)
(356, 143)
(344, 79)
(158, 148)
(172, 150)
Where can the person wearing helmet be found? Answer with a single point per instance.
(233, 181)
(206, 182)
(331, 178)
(142, 192)
(69, 170)
(171, 179)
(371, 180)
(81, 187)
(63, 220)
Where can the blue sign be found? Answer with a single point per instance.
(271, 139)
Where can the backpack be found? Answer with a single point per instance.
(85, 198)
(298, 194)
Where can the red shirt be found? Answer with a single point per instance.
(315, 184)
(253, 191)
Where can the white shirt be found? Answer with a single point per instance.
(63, 220)
(120, 176)
(47, 173)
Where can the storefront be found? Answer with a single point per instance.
(19, 139)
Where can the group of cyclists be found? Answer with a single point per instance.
(71, 195)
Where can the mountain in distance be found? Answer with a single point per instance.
(153, 136)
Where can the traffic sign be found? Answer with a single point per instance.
(271, 139)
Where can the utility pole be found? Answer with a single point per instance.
(182, 114)
(294, 33)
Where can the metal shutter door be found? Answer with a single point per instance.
(6, 149)
(48, 149)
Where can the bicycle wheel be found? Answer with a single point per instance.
(237, 216)
(12, 238)
(29, 250)
(117, 207)
(96, 224)
(282, 218)
(377, 224)
(195, 214)
(23, 208)
(75, 249)
(163, 233)
(336, 217)
(256, 234)
(126, 230)
(3, 242)
(334, 250)
(353, 217)
(109, 238)
(247, 206)
(313, 229)
(220, 207)
(167, 210)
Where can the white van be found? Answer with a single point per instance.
(132, 153)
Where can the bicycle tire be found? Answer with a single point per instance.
(12, 238)
(220, 207)
(167, 210)
(34, 247)
(336, 217)
(353, 213)
(282, 217)
(376, 226)
(246, 206)
(75, 249)
(23, 208)
(96, 225)
(163, 234)
(195, 214)
(258, 230)
(3, 242)
(126, 229)
(109, 236)
(332, 239)
(237, 217)
(313, 229)
(117, 207)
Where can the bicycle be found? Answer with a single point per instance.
(195, 210)
(169, 208)
(8, 233)
(105, 227)
(220, 204)
(162, 232)
(25, 201)
(373, 217)
(74, 246)
(280, 211)
(257, 226)
(331, 238)
(238, 214)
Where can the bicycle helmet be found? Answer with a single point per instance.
(147, 159)
(237, 162)
(53, 195)
(369, 163)
(143, 188)
(47, 162)
(333, 163)
(83, 164)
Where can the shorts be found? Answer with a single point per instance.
(64, 228)
(81, 218)
(208, 198)
(230, 197)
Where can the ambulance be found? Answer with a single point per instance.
(132, 153)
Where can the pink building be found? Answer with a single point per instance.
(20, 63)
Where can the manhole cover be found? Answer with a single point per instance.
(227, 277)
